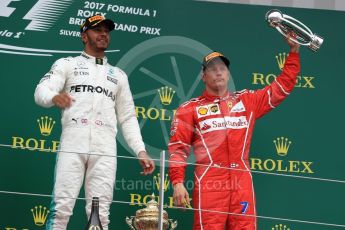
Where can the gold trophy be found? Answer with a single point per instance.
(147, 218)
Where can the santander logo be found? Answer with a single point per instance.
(221, 123)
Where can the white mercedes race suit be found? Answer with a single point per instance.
(101, 98)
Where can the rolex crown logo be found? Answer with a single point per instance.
(166, 95)
(282, 145)
(40, 215)
(280, 227)
(281, 57)
(46, 125)
(158, 182)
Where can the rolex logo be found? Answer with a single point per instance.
(40, 215)
(158, 182)
(281, 57)
(166, 95)
(280, 227)
(46, 125)
(282, 145)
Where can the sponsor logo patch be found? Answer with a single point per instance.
(239, 107)
(207, 110)
(215, 124)
(81, 73)
(82, 121)
(113, 80)
(214, 108)
(111, 72)
(92, 89)
(202, 111)
(205, 127)
(229, 104)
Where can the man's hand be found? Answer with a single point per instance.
(62, 100)
(181, 196)
(294, 47)
(146, 162)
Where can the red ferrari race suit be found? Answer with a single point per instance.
(219, 130)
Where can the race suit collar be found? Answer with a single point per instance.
(92, 59)
(212, 97)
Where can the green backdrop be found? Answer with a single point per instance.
(160, 44)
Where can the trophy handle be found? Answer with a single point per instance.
(302, 31)
(173, 224)
(129, 222)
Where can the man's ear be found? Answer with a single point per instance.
(84, 37)
(203, 76)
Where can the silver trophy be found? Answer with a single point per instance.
(285, 23)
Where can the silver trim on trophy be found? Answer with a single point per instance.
(285, 23)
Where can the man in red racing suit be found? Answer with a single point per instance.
(218, 126)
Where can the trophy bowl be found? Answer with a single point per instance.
(274, 17)
(147, 218)
(285, 23)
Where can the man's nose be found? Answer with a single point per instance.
(218, 71)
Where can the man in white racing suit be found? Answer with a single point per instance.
(94, 96)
